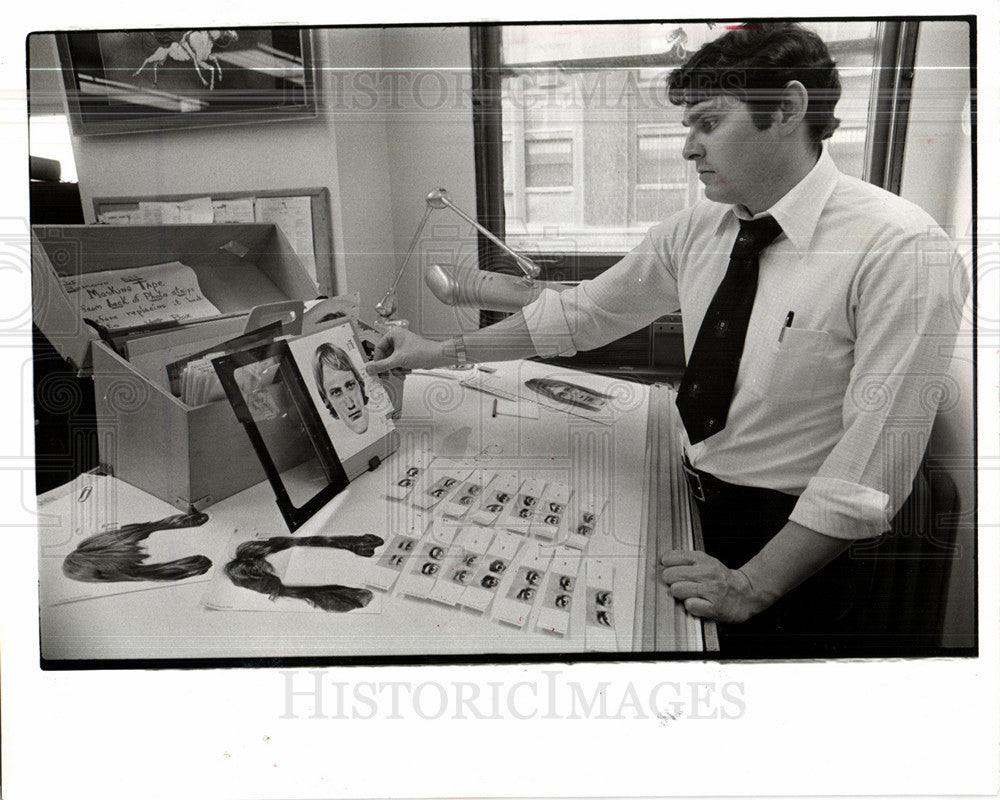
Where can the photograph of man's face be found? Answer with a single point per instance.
(352, 405)
(341, 387)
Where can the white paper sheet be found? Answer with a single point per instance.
(93, 504)
(357, 413)
(293, 216)
(127, 216)
(295, 567)
(197, 210)
(128, 297)
(593, 397)
(239, 209)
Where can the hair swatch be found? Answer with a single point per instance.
(117, 555)
(251, 570)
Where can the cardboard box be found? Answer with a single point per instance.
(189, 456)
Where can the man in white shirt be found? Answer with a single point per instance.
(852, 325)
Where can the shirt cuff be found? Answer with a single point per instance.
(547, 326)
(842, 509)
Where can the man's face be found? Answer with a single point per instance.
(343, 392)
(736, 162)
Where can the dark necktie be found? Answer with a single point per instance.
(707, 388)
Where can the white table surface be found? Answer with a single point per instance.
(608, 457)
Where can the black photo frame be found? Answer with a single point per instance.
(285, 439)
(148, 80)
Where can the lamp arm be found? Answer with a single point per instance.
(412, 247)
(439, 199)
(499, 292)
(386, 307)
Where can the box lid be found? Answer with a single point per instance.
(239, 267)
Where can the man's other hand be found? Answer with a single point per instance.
(708, 588)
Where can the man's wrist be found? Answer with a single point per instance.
(453, 352)
(758, 595)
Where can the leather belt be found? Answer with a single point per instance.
(706, 488)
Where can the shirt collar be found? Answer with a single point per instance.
(799, 210)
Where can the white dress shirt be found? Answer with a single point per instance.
(838, 407)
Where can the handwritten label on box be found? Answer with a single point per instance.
(129, 297)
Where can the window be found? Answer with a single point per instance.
(48, 137)
(548, 163)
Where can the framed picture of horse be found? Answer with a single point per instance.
(146, 80)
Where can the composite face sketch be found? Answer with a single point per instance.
(341, 387)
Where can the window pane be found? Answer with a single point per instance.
(548, 163)
(48, 137)
(847, 148)
(548, 43)
(551, 209)
(659, 159)
(653, 204)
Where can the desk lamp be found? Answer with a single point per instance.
(471, 287)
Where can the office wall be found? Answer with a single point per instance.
(937, 171)
(46, 95)
(430, 143)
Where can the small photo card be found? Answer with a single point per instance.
(491, 571)
(585, 517)
(399, 550)
(551, 522)
(423, 570)
(442, 482)
(600, 607)
(468, 496)
(522, 512)
(556, 607)
(525, 590)
(497, 498)
(408, 474)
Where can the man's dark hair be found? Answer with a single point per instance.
(754, 63)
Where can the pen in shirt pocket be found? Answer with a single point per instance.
(788, 324)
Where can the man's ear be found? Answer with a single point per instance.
(792, 106)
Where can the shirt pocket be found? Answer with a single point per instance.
(793, 367)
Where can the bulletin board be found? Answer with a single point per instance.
(302, 215)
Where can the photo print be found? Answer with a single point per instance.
(353, 405)
(570, 393)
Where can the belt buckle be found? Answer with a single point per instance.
(694, 482)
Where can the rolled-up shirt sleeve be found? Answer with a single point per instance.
(907, 306)
(622, 299)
